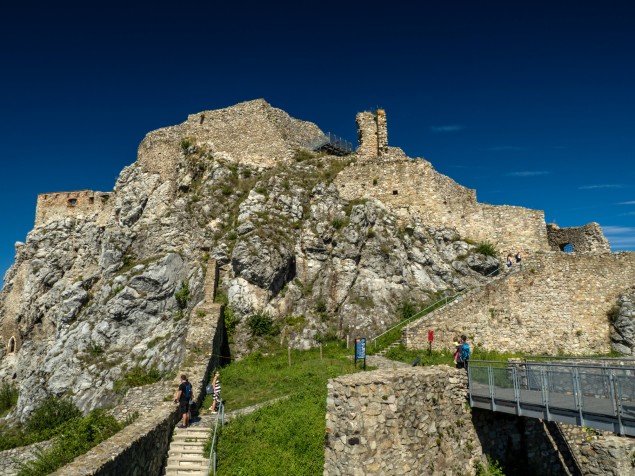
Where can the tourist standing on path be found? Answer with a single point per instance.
(182, 397)
(509, 262)
(464, 354)
(216, 387)
(519, 258)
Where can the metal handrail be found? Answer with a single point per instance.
(447, 300)
(549, 364)
(212, 454)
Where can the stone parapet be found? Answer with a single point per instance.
(562, 298)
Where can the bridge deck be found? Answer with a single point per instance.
(594, 396)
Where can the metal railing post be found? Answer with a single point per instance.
(516, 384)
(618, 393)
(577, 393)
(545, 391)
(492, 392)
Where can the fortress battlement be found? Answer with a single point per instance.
(58, 205)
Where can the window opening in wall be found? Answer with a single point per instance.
(91, 200)
(567, 248)
(12, 345)
(72, 202)
(395, 192)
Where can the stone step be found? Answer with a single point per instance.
(184, 447)
(188, 462)
(190, 437)
(186, 472)
(185, 454)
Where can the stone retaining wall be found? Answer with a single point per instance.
(11, 460)
(412, 421)
(557, 304)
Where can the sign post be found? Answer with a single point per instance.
(430, 339)
(360, 350)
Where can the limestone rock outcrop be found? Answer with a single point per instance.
(622, 318)
(105, 282)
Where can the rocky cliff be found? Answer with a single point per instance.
(93, 295)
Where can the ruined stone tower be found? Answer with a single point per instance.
(372, 134)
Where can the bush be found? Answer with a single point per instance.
(407, 310)
(230, 320)
(136, 377)
(52, 413)
(182, 295)
(8, 397)
(486, 248)
(261, 324)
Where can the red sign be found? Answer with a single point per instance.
(430, 336)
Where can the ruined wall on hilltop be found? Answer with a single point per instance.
(77, 204)
(583, 239)
(372, 134)
(412, 188)
(251, 132)
(558, 303)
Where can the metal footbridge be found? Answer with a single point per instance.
(600, 396)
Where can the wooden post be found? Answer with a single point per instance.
(289, 354)
(347, 336)
(320, 351)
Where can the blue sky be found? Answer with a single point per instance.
(530, 103)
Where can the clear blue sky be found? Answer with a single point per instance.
(530, 103)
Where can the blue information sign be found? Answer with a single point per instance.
(360, 348)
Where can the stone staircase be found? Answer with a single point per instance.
(185, 456)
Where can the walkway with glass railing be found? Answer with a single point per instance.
(589, 395)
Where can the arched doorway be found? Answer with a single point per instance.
(12, 346)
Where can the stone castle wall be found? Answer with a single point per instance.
(584, 239)
(251, 132)
(60, 205)
(412, 188)
(406, 421)
(558, 303)
(372, 134)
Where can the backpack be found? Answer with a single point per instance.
(464, 353)
(209, 389)
(188, 390)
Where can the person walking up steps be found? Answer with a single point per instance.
(182, 397)
(216, 387)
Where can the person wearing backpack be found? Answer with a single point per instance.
(464, 354)
(183, 397)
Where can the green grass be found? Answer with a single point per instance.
(288, 434)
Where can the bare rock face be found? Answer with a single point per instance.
(623, 324)
(91, 297)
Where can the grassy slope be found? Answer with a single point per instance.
(290, 433)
